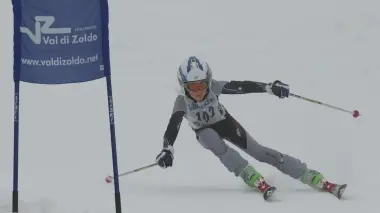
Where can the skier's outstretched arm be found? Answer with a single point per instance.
(242, 87)
(172, 128)
(276, 88)
(165, 158)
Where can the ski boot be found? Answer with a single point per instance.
(316, 180)
(254, 179)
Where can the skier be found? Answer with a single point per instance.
(212, 123)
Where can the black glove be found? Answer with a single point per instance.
(278, 89)
(165, 158)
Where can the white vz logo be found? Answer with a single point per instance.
(43, 29)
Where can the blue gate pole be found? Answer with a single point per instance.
(113, 144)
(15, 149)
(107, 70)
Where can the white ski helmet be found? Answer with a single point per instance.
(193, 70)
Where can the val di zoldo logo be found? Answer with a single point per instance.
(45, 34)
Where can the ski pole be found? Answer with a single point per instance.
(354, 113)
(109, 178)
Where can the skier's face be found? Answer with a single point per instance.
(198, 95)
(197, 90)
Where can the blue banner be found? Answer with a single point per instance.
(60, 41)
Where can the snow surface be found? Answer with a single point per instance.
(327, 50)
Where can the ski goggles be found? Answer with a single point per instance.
(196, 86)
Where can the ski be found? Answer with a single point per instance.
(269, 192)
(338, 190)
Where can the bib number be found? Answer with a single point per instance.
(205, 116)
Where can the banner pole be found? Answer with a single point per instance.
(107, 71)
(16, 147)
(113, 144)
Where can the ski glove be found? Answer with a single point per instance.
(278, 89)
(165, 158)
